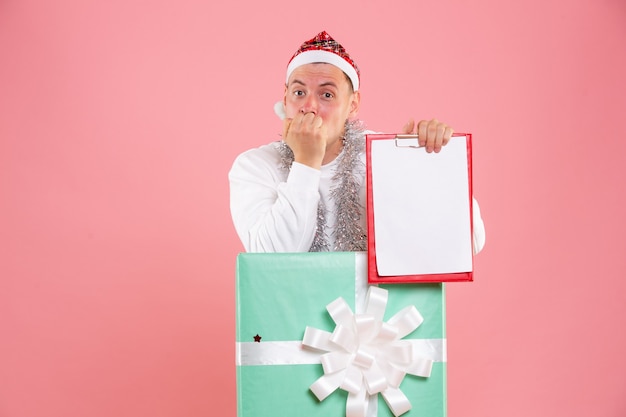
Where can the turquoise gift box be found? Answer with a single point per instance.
(282, 299)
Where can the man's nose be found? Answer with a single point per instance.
(309, 106)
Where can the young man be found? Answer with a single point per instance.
(307, 192)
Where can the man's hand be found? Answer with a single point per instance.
(432, 134)
(307, 137)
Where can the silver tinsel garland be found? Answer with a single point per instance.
(344, 191)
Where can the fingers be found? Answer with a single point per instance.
(316, 121)
(307, 121)
(307, 137)
(433, 134)
(448, 132)
(301, 125)
(408, 127)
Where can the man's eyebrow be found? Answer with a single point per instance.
(329, 84)
(296, 81)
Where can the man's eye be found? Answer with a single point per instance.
(298, 93)
(328, 95)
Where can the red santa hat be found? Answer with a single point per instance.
(323, 48)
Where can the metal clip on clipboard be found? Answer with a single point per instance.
(407, 141)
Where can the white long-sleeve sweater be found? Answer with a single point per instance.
(276, 211)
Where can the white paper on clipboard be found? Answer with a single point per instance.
(421, 208)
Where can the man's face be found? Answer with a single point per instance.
(324, 90)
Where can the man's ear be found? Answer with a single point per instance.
(355, 104)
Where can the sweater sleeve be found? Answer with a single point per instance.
(272, 214)
(478, 227)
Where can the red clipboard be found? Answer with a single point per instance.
(466, 272)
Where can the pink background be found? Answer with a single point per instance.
(119, 121)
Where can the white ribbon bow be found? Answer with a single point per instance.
(366, 356)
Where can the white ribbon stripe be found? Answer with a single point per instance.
(367, 356)
(290, 352)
